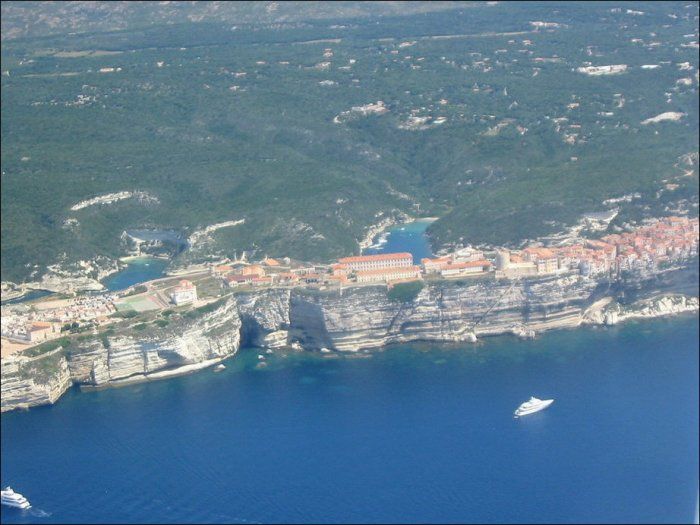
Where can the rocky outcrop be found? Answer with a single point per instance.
(660, 306)
(10, 290)
(182, 347)
(277, 339)
(359, 318)
(262, 314)
(66, 277)
(28, 382)
(613, 312)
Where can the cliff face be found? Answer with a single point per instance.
(212, 337)
(28, 382)
(359, 318)
(263, 313)
(179, 348)
(366, 318)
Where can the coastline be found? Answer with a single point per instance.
(374, 231)
(131, 258)
(73, 283)
(378, 228)
(424, 385)
(381, 228)
(354, 321)
(47, 391)
(155, 376)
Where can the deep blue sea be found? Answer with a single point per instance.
(138, 270)
(411, 434)
(420, 433)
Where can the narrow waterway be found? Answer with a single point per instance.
(139, 270)
(409, 237)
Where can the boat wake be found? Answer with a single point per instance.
(38, 513)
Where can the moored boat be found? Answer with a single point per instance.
(13, 499)
(532, 405)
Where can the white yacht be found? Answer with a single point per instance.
(13, 499)
(532, 406)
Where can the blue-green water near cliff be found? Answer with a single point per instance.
(414, 433)
(138, 270)
(409, 237)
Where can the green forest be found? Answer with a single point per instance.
(488, 124)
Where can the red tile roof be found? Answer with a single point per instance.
(378, 257)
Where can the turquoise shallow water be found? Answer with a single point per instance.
(408, 237)
(139, 270)
(415, 433)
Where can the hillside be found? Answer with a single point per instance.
(313, 125)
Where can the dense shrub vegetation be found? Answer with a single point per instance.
(405, 292)
(220, 124)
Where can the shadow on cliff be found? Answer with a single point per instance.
(307, 324)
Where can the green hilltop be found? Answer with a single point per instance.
(488, 124)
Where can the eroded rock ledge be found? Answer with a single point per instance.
(163, 353)
(360, 318)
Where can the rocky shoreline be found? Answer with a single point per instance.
(82, 276)
(353, 323)
(379, 227)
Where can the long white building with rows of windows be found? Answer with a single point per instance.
(377, 262)
(388, 274)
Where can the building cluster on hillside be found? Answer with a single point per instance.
(667, 239)
(45, 320)
(466, 261)
(270, 271)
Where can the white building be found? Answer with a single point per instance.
(466, 268)
(388, 274)
(468, 254)
(377, 262)
(184, 293)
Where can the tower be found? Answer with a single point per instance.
(502, 260)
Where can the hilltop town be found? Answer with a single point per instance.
(643, 251)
